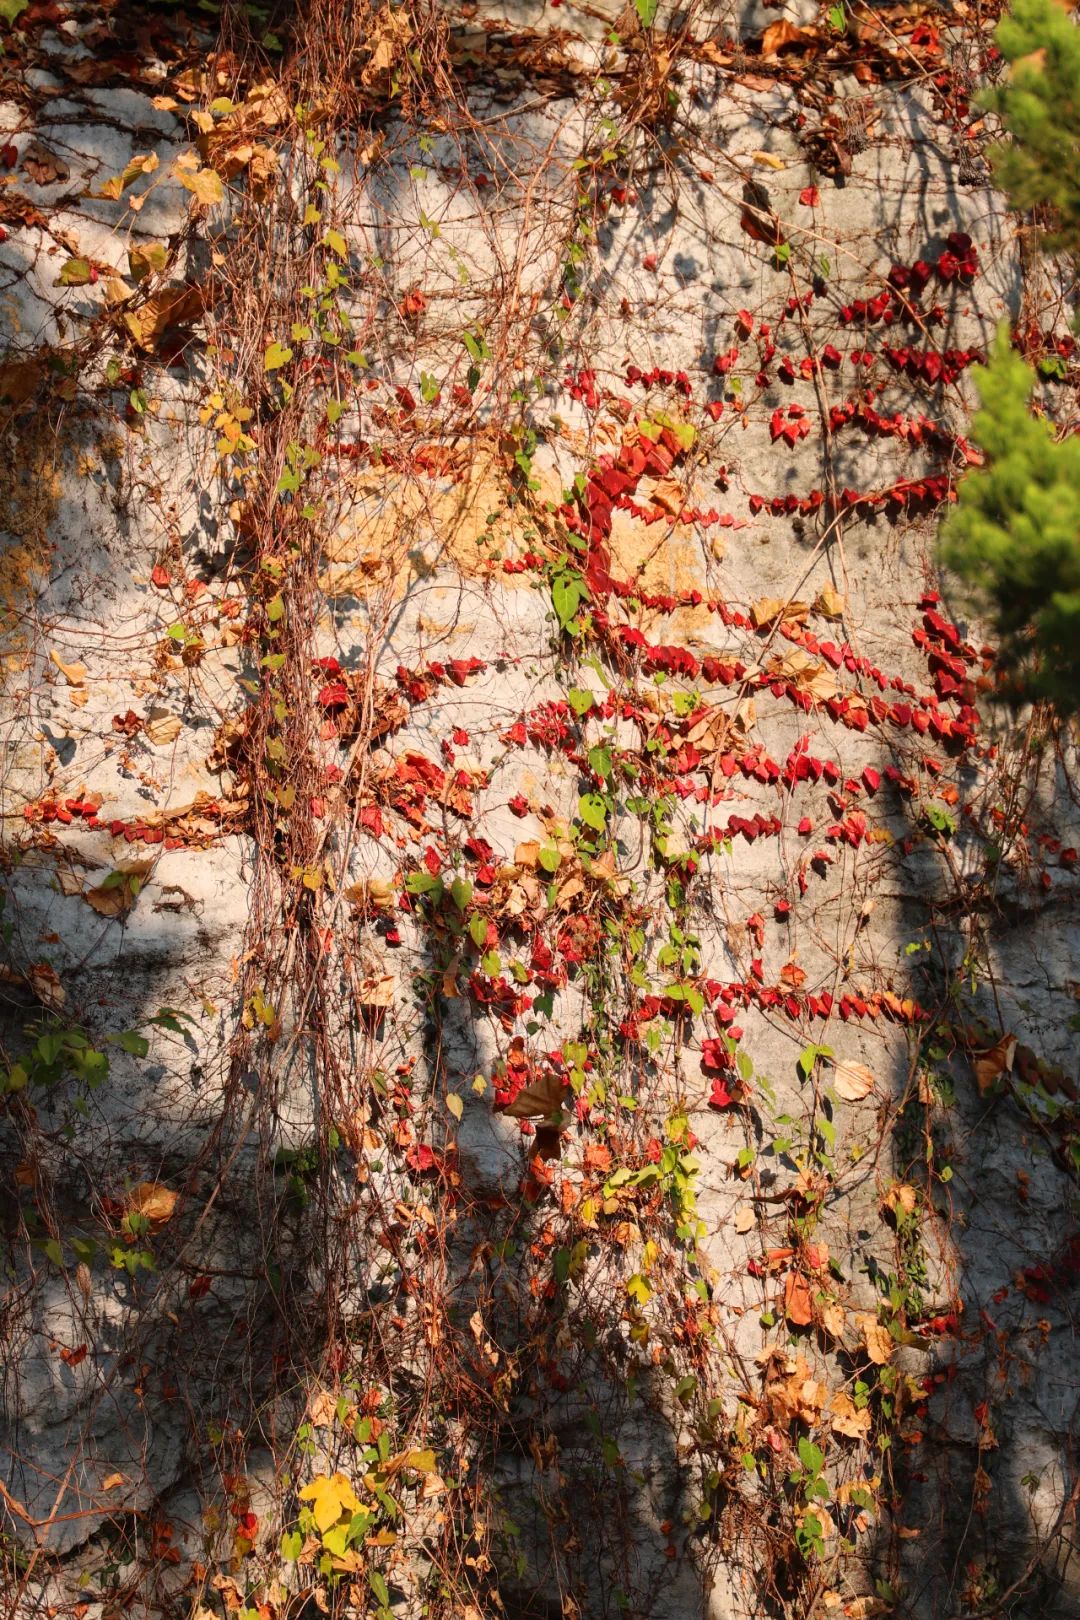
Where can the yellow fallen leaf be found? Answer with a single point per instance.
(852, 1081)
(769, 160)
(768, 608)
(205, 185)
(829, 603)
(378, 991)
(161, 727)
(846, 1419)
(111, 1481)
(877, 1340)
(74, 674)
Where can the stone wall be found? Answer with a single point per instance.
(721, 391)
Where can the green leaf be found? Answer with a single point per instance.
(129, 1041)
(292, 1543)
(336, 243)
(478, 931)
(811, 1456)
(567, 594)
(10, 9)
(276, 356)
(592, 809)
(461, 892)
(580, 700)
(74, 273)
(379, 1588)
(423, 883)
(600, 760)
(646, 10)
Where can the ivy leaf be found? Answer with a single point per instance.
(593, 811)
(205, 185)
(129, 1041)
(646, 10)
(336, 243)
(276, 356)
(74, 273)
(461, 891)
(567, 594)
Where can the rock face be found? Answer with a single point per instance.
(561, 694)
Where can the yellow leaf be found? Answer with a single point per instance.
(144, 259)
(769, 160)
(153, 1201)
(162, 727)
(422, 1461)
(330, 1496)
(876, 1339)
(768, 608)
(205, 185)
(846, 1419)
(454, 1104)
(829, 603)
(853, 1081)
(112, 1481)
(112, 188)
(74, 674)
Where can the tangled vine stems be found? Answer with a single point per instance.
(409, 1331)
(286, 253)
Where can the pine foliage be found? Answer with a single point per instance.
(1015, 533)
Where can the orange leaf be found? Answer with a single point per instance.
(798, 1302)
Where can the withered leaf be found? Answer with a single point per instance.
(540, 1099)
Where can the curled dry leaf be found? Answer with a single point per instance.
(744, 1218)
(541, 1099)
(74, 674)
(153, 1201)
(830, 603)
(845, 1419)
(993, 1064)
(161, 727)
(833, 1319)
(768, 608)
(852, 1081)
(117, 893)
(798, 1301)
(375, 894)
(877, 1340)
(377, 991)
(45, 983)
(780, 34)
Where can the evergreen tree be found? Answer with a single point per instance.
(1015, 533)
